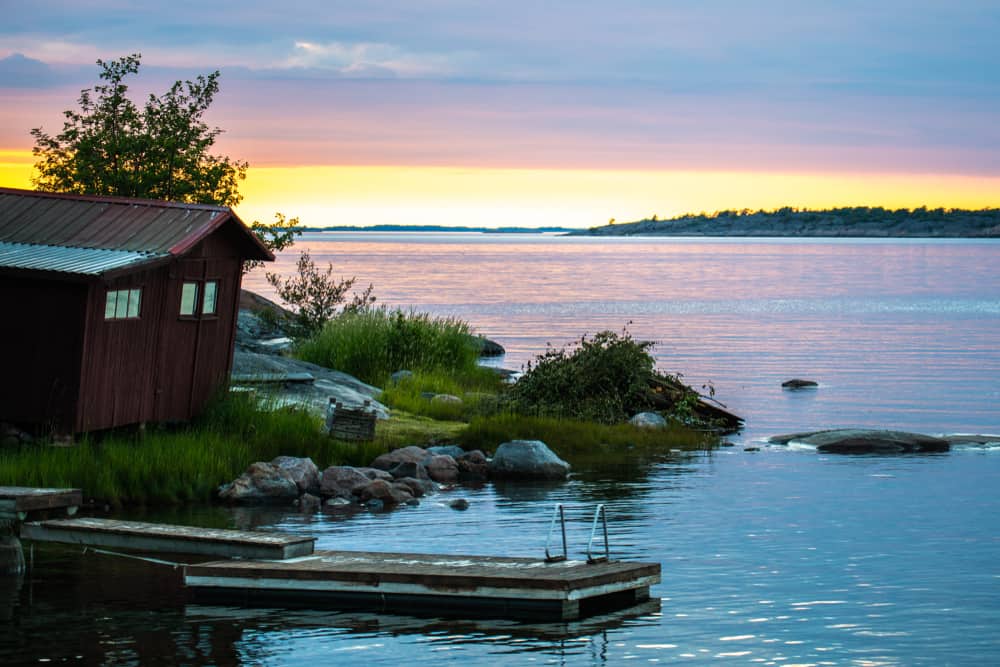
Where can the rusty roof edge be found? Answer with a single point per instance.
(134, 201)
(215, 223)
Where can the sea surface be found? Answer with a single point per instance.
(771, 555)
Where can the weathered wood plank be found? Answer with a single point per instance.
(164, 538)
(29, 499)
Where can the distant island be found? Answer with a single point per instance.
(858, 221)
(440, 228)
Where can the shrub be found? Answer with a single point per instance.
(373, 343)
(603, 379)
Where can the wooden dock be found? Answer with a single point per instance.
(17, 501)
(484, 586)
(163, 538)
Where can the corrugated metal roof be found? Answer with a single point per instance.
(79, 261)
(112, 223)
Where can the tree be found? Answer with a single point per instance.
(316, 296)
(109, 146)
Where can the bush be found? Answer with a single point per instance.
(373, 343)
(604, 379)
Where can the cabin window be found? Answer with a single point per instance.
(189, 298)
(122, 304)
(208, 303)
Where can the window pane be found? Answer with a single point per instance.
(208, 306)
(109, 305)
(189, 298)
(121, 306)
(133, 302)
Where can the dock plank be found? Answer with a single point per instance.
(517, 586)
(18, 500)
(165, 538)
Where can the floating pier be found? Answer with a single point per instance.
(163, 538)
(17, 501)
(485, 586)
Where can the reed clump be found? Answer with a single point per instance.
(373, 343)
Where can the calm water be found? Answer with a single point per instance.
(775, 557)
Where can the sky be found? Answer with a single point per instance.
(546, 113)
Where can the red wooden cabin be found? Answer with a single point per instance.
(115, 311)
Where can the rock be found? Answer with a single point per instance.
(446, 399)
(375, 473)
(409, 469)
(342, 482)
(798, 384)
(261, 483)
(338, 502)
(303, 471)
(866, 441)
(973, 440)
(751, 449)
(375, 505)
(527, 459)
(309, 503)
(389, 494)
(473, 466)
(442, 468)
(400, 376)
(648, 420)
(418, 487)
(412, 454)
(454, 451)
(487, 347)
(460, 504)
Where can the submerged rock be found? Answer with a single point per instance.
(799, 384)
(866, 441)
(527, 459)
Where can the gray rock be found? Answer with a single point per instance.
(303, 471)
(454, 451)
(309, 503)
(409, 469)
(866, 441)
(261, 483)
(473, 466)
(389, 494)
(338, 502)
(418, 487)
(412, 454)
(446, 399)
(442, 468)
(648, 420)
(375, 505)
(342, 482)
(375, 473)
(399, 376)
(460, 504)
(799, 384)
(527, 459)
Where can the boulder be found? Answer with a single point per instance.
(796, 383)
(472, 466)
(866, 441)
(454, 451)
(527, 459)
(418, 487)
(460, 504)
(309, 503)
(303, 471)
(375, 473)
(442, 469)
(400, 376)
(261, 483)
(648, 420)
(342, 482)
(388, 494)
(446, 399)
(412, 454)
(408, 469)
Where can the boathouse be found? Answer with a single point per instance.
(115, 311)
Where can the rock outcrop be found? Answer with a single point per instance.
(527, 459)
(262, 483)
(866, 441)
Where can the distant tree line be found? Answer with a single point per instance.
(866, 221)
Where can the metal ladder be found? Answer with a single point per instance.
(600, 513)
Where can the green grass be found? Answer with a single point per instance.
(479, 389)
(374, 343)
(186, 465)
(580, 442)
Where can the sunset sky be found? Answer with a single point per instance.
(546, 113)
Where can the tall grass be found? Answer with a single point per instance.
(169, 467)
(375, 342)
(479, 390)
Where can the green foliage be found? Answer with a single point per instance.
(176, 466)
(581, 441)
(276, 236)
(109, 146)
(603, 379)
(479, 389)
(373, 343)
(316, 296)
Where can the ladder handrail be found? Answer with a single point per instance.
(557, 511)
(599, 512)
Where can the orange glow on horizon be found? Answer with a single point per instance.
(490, 197)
